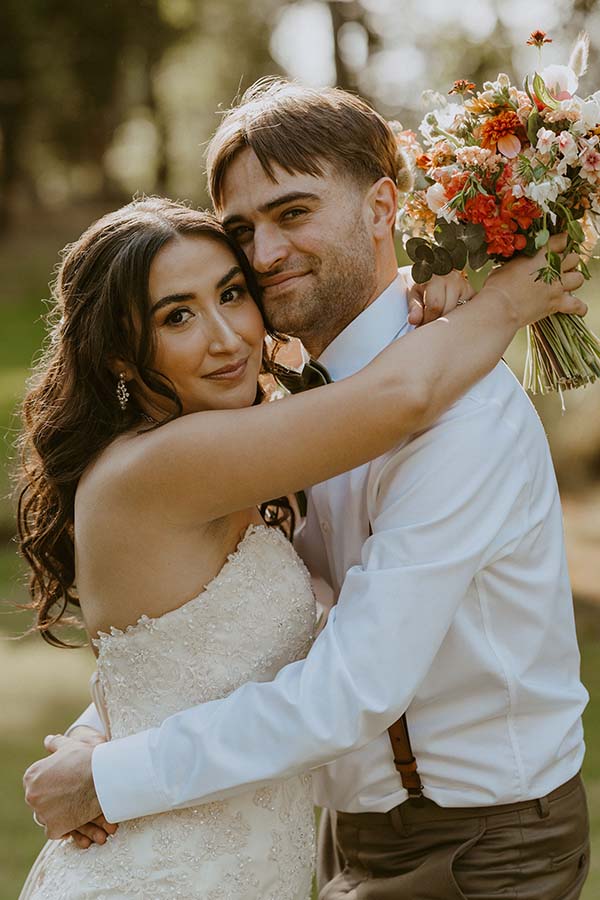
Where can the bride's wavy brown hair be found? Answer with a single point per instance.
(70, 412)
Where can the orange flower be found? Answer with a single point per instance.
(502, 133)
(538, 39)
(423, 162)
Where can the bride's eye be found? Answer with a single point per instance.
(178, 316)
(235, 292)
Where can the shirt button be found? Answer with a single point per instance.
(325, 527)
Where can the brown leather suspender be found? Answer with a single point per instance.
(404, 760)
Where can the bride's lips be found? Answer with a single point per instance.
(234, 372)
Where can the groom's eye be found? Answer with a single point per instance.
(241, 233)
(293, 213)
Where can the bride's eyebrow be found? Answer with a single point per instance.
(170, 298)
(190, 295)
(232, 273)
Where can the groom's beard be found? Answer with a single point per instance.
(337, 287)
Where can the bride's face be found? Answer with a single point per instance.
(209, 331)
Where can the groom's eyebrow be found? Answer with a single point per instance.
(290, 197)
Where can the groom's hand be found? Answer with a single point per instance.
(437, 297)
(98, 831)
(60, 789)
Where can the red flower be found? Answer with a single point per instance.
(501, 237)
(538, 39)
(455, 184)
(480, 208)
(521, 209)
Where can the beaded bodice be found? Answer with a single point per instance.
(255, 616)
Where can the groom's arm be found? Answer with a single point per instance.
(444, 503)
(89, 718)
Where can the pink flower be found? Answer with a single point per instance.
(590, 160)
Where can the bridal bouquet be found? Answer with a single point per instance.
(495, 173)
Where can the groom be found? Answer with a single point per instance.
(447, 558)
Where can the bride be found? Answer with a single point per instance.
(147, 459)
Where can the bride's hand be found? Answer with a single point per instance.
(437, 297)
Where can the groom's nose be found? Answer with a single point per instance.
(269, 248)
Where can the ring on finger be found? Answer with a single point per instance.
(461, 302)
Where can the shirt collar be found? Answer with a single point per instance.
(385, 319)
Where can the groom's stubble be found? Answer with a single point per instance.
(334, 252)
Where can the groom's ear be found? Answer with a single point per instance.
(382, 202)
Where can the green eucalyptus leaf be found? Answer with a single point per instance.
(474, 236)
(411, 246)
(542, 92)
(459, 255)
(542, 238)
(424, 253)
(478, 257)
(421, 272)
(446, 235)
(442, 261)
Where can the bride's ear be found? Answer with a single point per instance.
(119, 367)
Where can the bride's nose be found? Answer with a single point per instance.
(223, 336)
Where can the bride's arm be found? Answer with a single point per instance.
(206, 465)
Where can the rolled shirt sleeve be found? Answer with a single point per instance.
(443, 506)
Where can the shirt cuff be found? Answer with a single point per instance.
(124, 779)
(88, 718)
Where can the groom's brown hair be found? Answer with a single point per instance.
(300, 129)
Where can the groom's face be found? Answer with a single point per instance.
(309, 241)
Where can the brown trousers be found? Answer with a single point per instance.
(536, 850)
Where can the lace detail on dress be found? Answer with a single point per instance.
(255, 616)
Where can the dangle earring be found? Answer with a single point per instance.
(122, 392)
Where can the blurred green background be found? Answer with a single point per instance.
(102, 100)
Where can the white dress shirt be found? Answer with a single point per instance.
(457, 608)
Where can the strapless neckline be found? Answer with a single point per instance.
(145, 622)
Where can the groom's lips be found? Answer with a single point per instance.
(281, 279)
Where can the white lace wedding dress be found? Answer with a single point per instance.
(255, 616)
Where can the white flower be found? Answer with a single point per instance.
(567, 146)
(436, 198)
(545, 140)
(439, 119)
(546, 192)
(503, 81)
(560, 80)
(590, 112)
(438, 203)
(433, 99)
